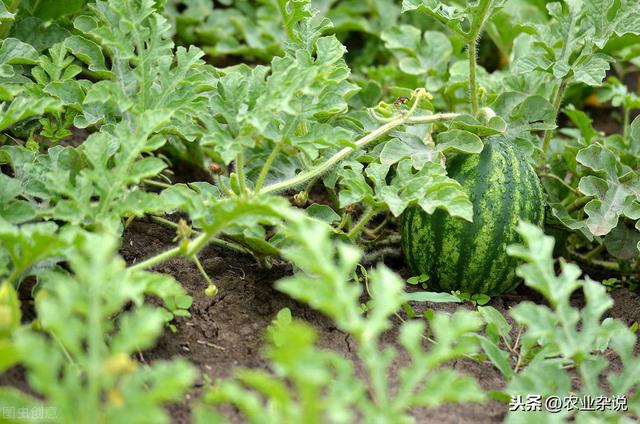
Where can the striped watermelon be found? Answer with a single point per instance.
(471, 256)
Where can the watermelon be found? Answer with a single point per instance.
(472, 256)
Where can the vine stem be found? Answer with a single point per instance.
(473, 86)
(202, 271)
(156, 260)
(195, 245)
(625, 129)
(345, 152)
(191, 249)
(363, 221)
(154, 183)
(240, 173)
(579, 202)
(472, 46)
(266, 167)
(594, 252)
(557, 101)
(214, 240)
(519, 352)
(610, 266)
(560, 180)
(12, 277)
(282, 6)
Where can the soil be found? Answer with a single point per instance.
(226, 332)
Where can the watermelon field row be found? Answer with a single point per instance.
(319, 211)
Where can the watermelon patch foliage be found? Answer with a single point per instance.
(485, 144)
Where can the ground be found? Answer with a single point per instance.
(227, 332)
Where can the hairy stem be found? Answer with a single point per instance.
(214, 240)
(195, 245)
(560, 180)
(578, 203)
(344, 153)
(202, 271)
(472, 47)
(156, 260)
(625, 128)
(12, 277)
(473, 85)
(594, 252)
(198, 243)
(240, 173)
(310, 185)
(557, 101)
(343, 222)
(610, 266)
(223, 187)
(363, 221)
(154, 183)
(282, 6)
(267, 165)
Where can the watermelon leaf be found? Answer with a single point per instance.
(499, 357)
(5, 15)
(51, 9)
(622, 242)
(96, 284)
(419, 54)
(570, 335)
(434, 297)
(615, 190)
(429, 187)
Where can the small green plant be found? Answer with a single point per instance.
(559, 343)
(79, 354)
(312, 385)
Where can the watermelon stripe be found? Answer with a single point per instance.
(501, 230)
(450, 253)
(415, 255)
(521, 212)
(436, 224)
(537, 196)
(407, 227)
(427, 241)
(454, 228)
(469, 233)
(511, 198)
(471, 257)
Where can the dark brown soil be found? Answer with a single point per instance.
(227, 332)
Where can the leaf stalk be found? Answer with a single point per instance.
(557, 101)
(345, 152)
(266, 167)
(363, 221)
